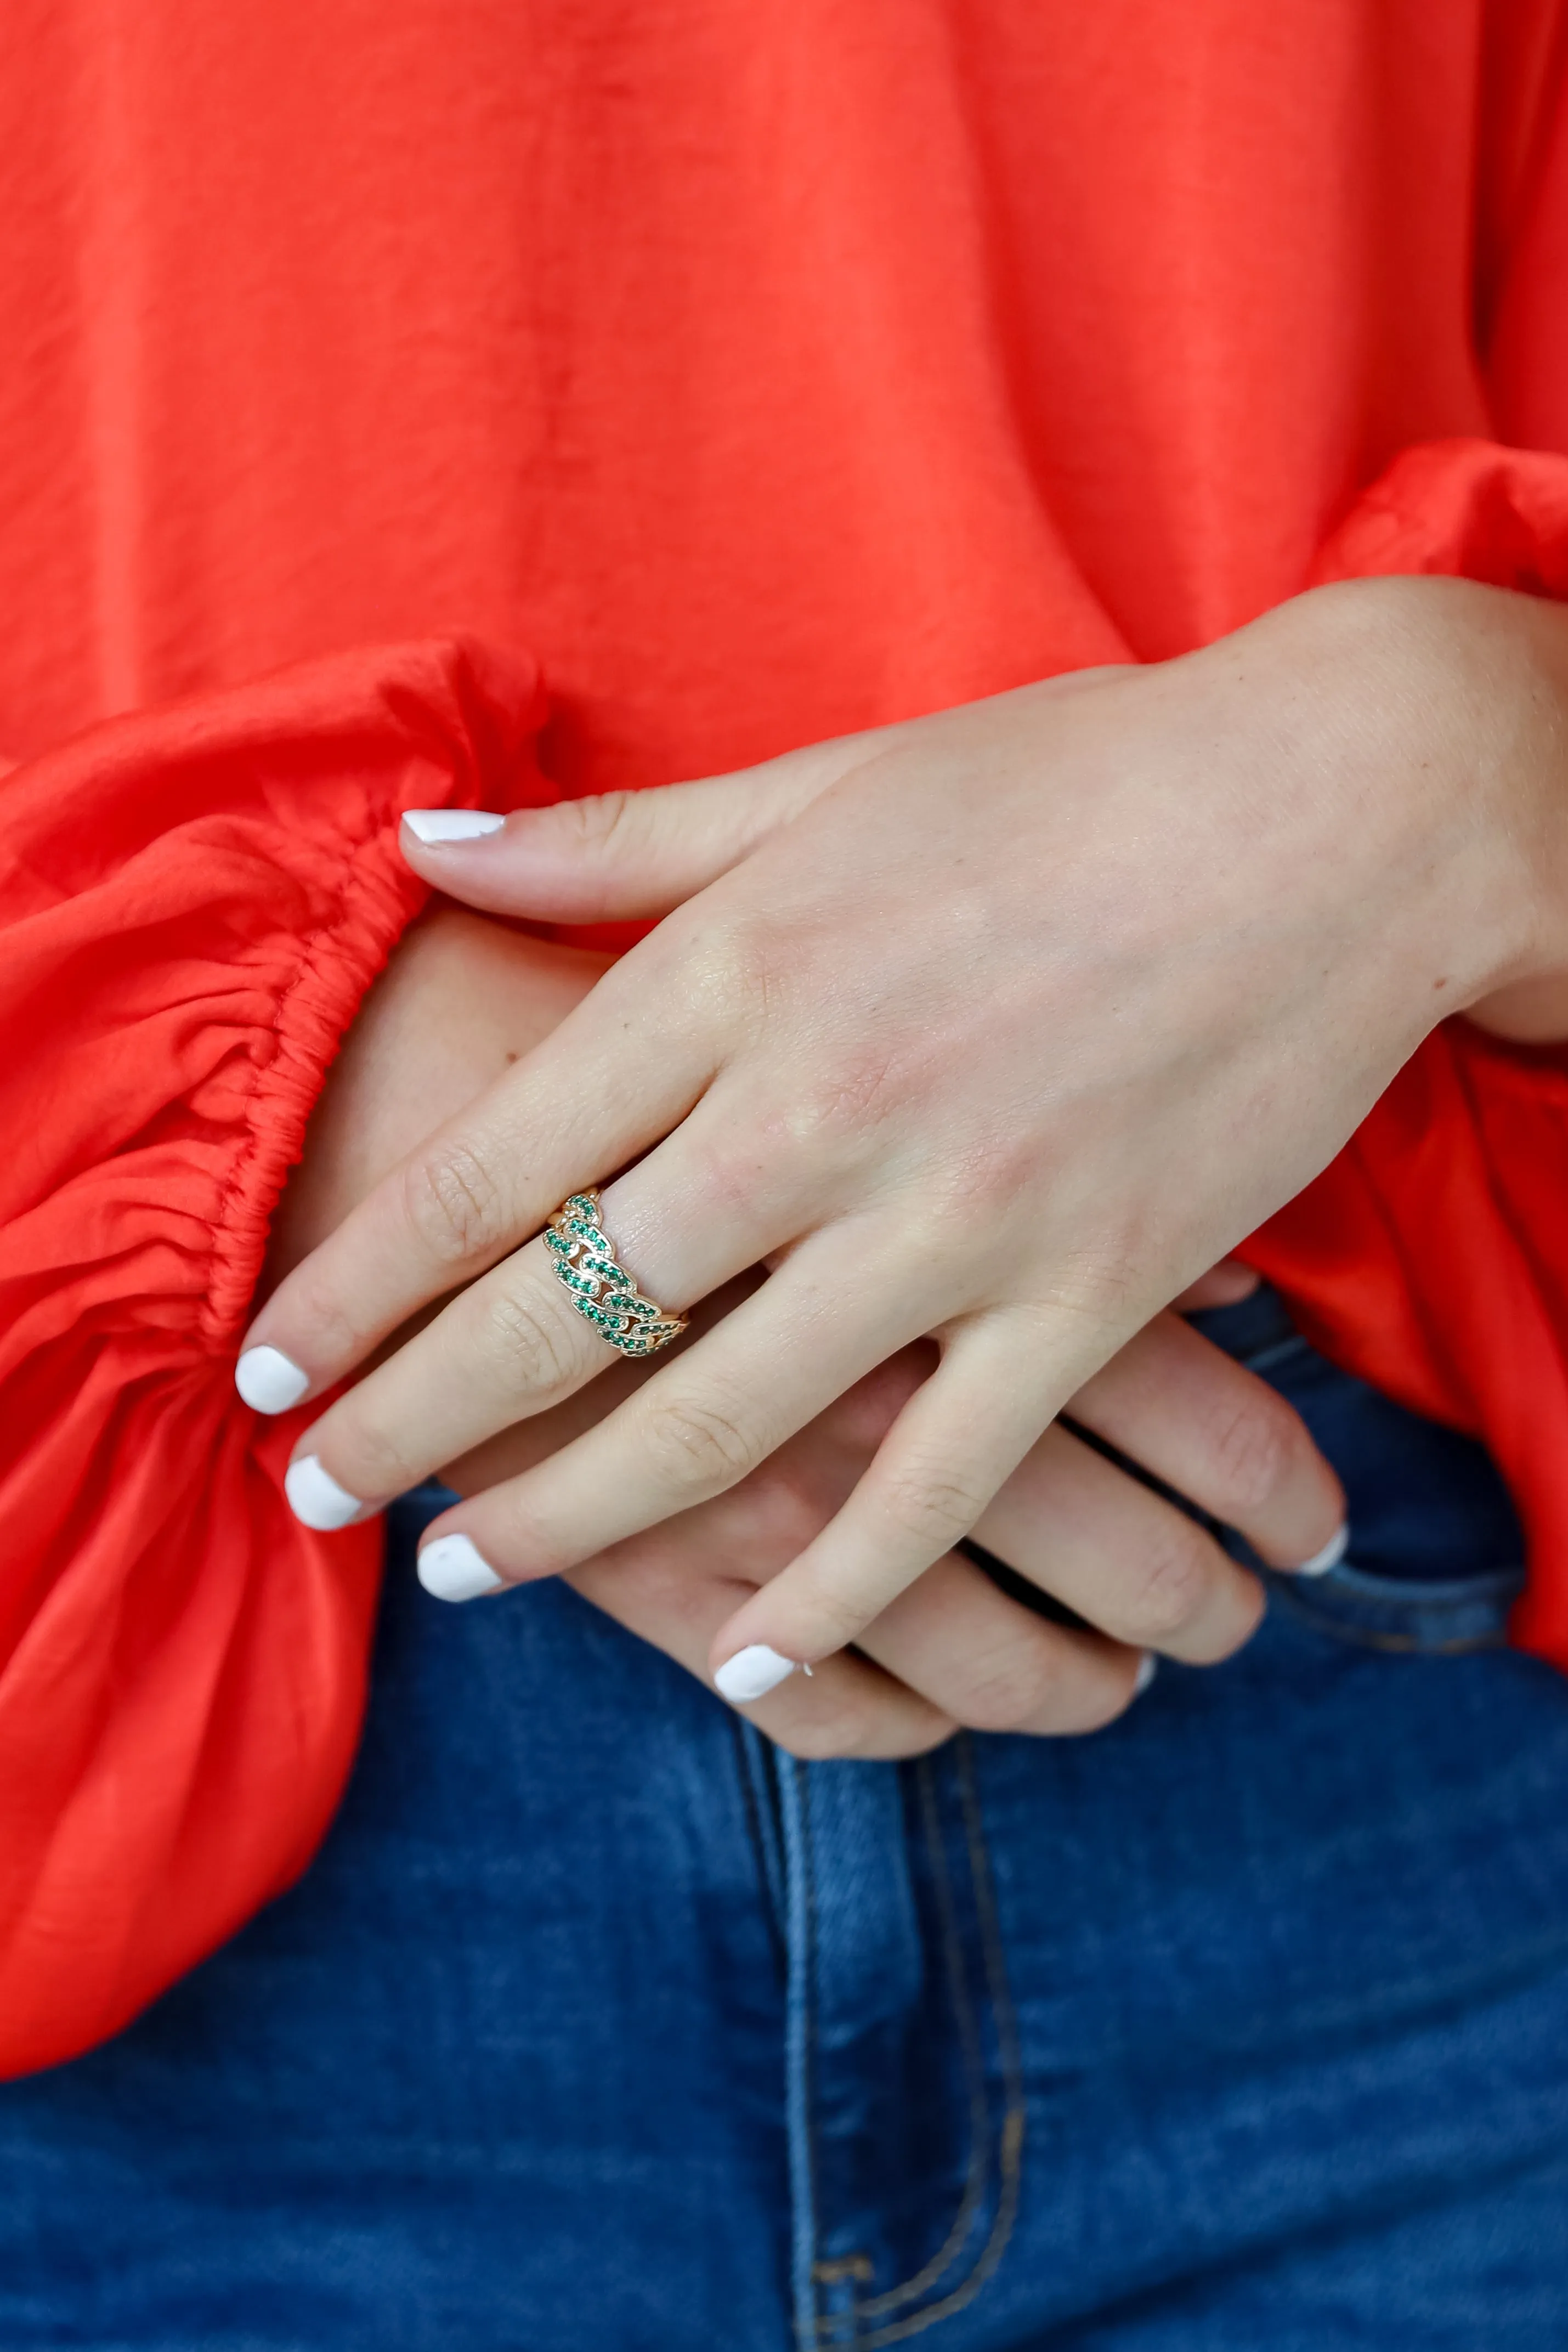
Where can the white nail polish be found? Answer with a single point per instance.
(1148, 1667)
(316, 1498)
(451, 825)
(1333, 1552)
(453, 1568)
(268, 1380)
(751, 1674)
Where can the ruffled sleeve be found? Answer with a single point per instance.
(193, 904)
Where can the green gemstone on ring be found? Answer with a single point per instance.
(583, 1257)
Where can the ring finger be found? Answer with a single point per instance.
(516, 1341)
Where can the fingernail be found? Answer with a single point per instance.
(455, 1568)
(1333, 1552)
(451, 825)
(751, 1674)
(268, 1380)
(1148, 1667)
(317, 1499)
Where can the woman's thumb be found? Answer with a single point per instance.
(613, 856)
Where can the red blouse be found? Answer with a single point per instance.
(750, 371)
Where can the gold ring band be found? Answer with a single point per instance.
(599, 1286)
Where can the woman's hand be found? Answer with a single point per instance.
(954, 1648)
(462, 998)
(1004, 1024)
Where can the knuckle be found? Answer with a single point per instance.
(1174, 1573)
(1009, 1692)
(996, 1168)
(530, 1349)
(1253, 1448)
(594, 820)
(696, 1444)
(931, 1504)
(453, 1203)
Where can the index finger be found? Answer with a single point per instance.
(621, 1071)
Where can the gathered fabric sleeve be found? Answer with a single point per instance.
(193, 904)
(1432, 1256)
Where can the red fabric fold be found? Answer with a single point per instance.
(1432, 1256)
(193, 904)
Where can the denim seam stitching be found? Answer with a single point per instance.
(977, 2174)
(1011, 2136)
(803, 2179)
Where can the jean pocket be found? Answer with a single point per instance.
(1425, 1617)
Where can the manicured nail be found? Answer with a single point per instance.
(316, 1498)
(268, 1380)
(1148, 1667)
(1333, 1552)
(751, 1674)
(451, 825)
(455, 1568)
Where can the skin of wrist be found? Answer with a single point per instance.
(1467, 687)
(1528, 638)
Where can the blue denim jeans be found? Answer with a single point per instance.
(599, 2026)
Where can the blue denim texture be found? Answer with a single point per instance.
(599, 2026)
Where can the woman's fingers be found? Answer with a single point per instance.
(962, 1433)
(1123, 1557)
(1119, 1555)
(620, 856)
(609, 1083)
(848, 1706)
(515, 1343)
(989, 1664)
(704, 1421)
(954, 1649)
(624, 856)
(1181, 1408)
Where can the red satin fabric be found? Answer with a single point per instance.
(754, 373)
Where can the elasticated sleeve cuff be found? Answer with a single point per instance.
(193, 904)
